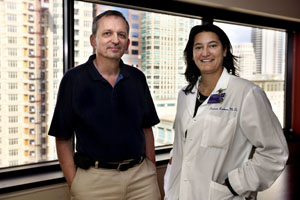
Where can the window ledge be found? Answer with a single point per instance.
(30, 176)
(36, 175)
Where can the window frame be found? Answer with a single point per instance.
(14, 178)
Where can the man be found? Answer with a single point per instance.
(109, 107)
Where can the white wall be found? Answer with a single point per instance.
(280, 9)
(52, 192)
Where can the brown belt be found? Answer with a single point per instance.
(85, 162)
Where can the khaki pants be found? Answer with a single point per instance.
(137, 183)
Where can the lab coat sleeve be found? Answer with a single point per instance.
(262, 128)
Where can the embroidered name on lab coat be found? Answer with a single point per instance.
(230, 109)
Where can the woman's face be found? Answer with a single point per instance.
(208, 53)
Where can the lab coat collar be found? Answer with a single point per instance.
(221, 84)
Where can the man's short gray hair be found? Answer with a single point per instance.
(107, 13)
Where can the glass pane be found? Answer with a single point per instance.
(261, 55)
(157, 44)
(163, 39)
(31, 66)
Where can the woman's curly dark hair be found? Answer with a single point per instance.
(192, 72)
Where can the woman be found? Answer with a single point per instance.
(220, 119)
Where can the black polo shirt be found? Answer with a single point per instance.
(108, 121)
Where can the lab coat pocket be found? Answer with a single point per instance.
(219, 192)
(218, 131)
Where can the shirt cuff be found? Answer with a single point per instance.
(235, 183)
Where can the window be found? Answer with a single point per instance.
(31, 142)
(12, 97)
(12, 63)
(31, 87)
(30, 6)
(12, 52)
(31, 64)
(13, 152)
(163, 36)
(28, 50)
(13, 163)
(12, 108)
(134, 26)
(134, 52)
(145, 53)
(12, 86)
(31, 76)
(135, 43)
(31, 98)
(12, 130)
(31, 120)
(31, 52)
(169, 136)
(160, 58)
(261, 60)
(135, 17)
(32, 131)
(13, 119)
(30, 29)
(31, 41)
(12, 40)
(11, 5)
(161, 134)
(30, 18)
(13, 141)
(31, 109)
(135, 34)
(11, 17)
(32, 153)
(12, 75)
(11, 28)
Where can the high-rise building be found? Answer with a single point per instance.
(246, 60)
(256, 39)
(269, 50)
(83, 18)
(30, 68)
(163, 41)
(53, 63)
(20, 57)
(273, 52)
(273, 85)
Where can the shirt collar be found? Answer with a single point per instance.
(97, 76)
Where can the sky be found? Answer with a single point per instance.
(236, 33)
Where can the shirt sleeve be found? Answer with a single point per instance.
(63, 119)
(262, 128)
(150, 117)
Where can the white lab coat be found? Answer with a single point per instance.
(219, 141)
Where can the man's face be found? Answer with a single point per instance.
(111, 39)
